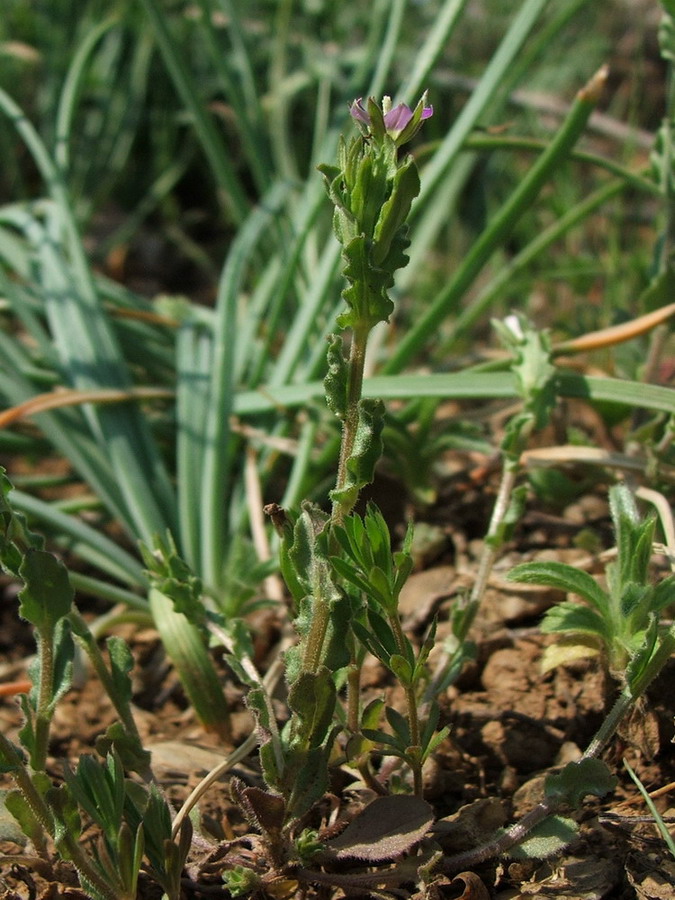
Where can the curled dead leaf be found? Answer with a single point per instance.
(474, 888)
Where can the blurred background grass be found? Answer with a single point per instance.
(145, 194)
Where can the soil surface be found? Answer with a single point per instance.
(511, 724)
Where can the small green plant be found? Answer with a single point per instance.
(172, 477)
(620, 624)
(133, 819)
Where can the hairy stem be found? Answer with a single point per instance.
(541, 811)
(487, 560)
(42, 714)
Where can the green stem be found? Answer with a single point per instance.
(487, 560)
(500, 227)
(42, 714)
(541, 811)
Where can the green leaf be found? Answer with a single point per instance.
(435, 742)
(366, 295)
(157, 827)
(378, 539)
(401, 669)
(378, 736)
(47, 595)
(121, 664)
(306, 777)
(546, 839)
(633, 538)
(634, 604)
(532, 366)
(130, 847)
(63, 649)
(284, 523)
(663, 595)
(394, 212)
(337, 377)
(14, 533)
(641, 657)
(306, 549)
(349, 573)
(170, 575)
(399, 726)
(134, 757)
(14, 803)
(312, 698)
(571, 617)
(366, 451)
(67, 824)
(564, 578)
(577, 780)
(99, 789)
(380, 589)
(378, 638)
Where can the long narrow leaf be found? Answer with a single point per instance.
(464, 385)
(217, 462)
(212, 144)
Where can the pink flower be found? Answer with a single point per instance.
(400, 122)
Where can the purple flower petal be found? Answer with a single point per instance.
(358, 112)
(397, 118)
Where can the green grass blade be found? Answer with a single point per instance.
(217, 462)
(240, 91)
(86, 344)
(437, 39)
(220, 161)
(70, 93)
(482, 301)
(194, 355)
(658, 821)
(490, 85)
(463, 386)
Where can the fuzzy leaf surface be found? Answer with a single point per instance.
(386, 828)
(564, 578)
(577, 779)
(47, 595)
